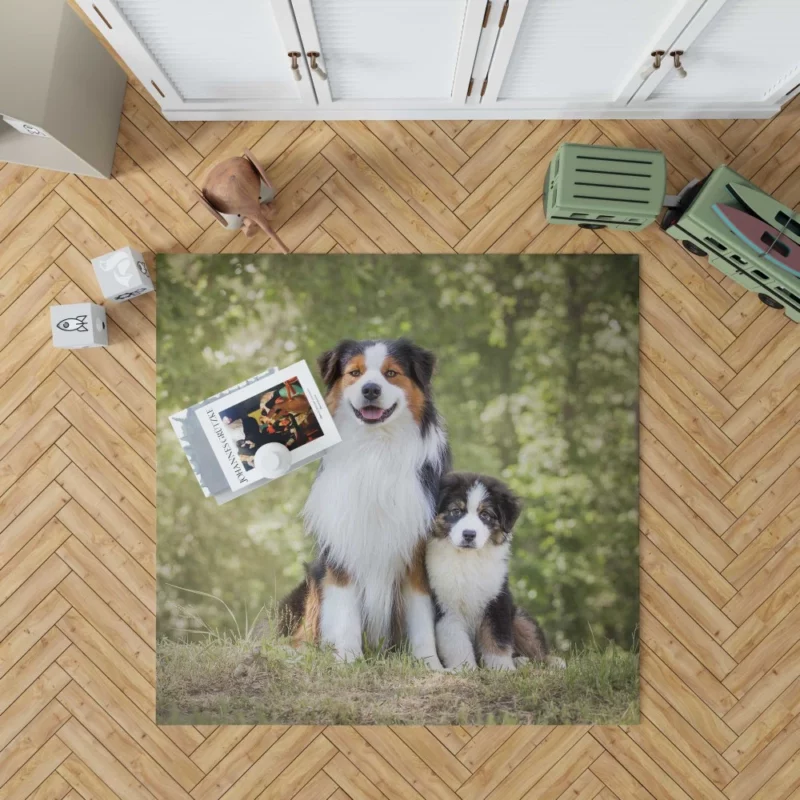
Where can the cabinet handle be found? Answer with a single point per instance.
(313, 56)
(657, 56)
(100, 14)
(294, 55)
(676, 60)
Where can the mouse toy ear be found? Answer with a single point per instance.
(330, 362)
(257, 167)
(214, 213)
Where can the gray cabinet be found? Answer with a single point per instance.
(57, 77)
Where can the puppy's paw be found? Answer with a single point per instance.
(521, 661)
(465, 666)
(502, 663)
(347, 656)
(556, 662)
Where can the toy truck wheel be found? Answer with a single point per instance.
(769, 301)
(592, 226)
(693, 248)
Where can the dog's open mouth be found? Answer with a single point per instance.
(374, 414)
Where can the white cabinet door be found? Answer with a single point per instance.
(735, 51)
(207, 53)
(560, 54)
(391, 54)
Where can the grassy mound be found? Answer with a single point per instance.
(223, 682)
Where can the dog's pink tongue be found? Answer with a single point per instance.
(371, 412)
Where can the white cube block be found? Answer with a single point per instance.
(122, 274)
(79, 325)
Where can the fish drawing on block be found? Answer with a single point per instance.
(763, 238)
(77, 324)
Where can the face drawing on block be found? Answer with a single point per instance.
(375, 382)
(77, 324)
(474, 510)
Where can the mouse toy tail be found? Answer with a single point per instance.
(265, 226)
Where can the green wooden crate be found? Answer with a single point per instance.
(599, 187)
(702, 232)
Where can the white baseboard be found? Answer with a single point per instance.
(717, 111)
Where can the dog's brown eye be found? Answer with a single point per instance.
(354, 372)
(390, 373)
(487, 516)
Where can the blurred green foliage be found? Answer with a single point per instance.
(537, 379)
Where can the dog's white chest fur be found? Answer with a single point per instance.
(368, 508)
(466, 581)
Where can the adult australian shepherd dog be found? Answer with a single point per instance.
(372, 503)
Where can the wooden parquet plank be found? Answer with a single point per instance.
(778, 570)
(437, 143)
(308, 763)
(513, 752)
(31, 266)
(691, 635)
(93, 759)
(119, 743)
(83, 781)
(30, 485)
(678, 551)
(208, 135)
(237, 762)
(12, 176)
(124, 711)
(352, 783)
(719, 515)
(407, 762)
(159, 131)
(685, 413)
(765, 510)
(446, 187)
(639, 764)
(501, 180)
(428, 229)
(152, 197)
(95, 575)
(33, 736)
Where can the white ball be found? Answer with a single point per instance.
(273, 460)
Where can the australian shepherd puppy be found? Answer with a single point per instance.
(467, 564)
(372, 503)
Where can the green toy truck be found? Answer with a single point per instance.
(605, 187)
(702, 232)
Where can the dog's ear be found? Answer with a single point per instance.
(421, 363)
(330, 363)
(509, 507)
(446, 485)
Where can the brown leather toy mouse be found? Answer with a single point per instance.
(233, 195)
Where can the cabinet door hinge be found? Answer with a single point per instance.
(486, 13)
(503, 15)
(469, 88)
(483, 88)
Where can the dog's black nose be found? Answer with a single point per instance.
(371, 391)
(468, 536)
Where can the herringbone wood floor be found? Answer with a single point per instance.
(720, 447)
